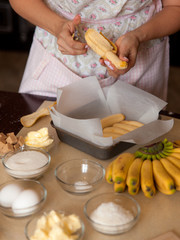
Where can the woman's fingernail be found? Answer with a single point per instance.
(86, 46)
(108, 64)
(126, 59)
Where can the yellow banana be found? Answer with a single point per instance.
(104, 48)
(177, 143)
(120, 167)
(164, 181)
(147, 181)
(133, 176)
(167, 192)
(174, 160)
(110, 120)
(175, 154)
(173, 171)
(133, 190)
(133, 123)
(124, 126)
(108, 174)
(114, 130)
(120, 187)
(176, 150)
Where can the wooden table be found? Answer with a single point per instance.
(158, 215)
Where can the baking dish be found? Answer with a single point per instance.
(94, 150)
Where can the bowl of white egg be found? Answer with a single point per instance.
(21, 198)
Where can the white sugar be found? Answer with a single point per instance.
(111, 214)
(27, 160)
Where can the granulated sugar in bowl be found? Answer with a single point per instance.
(111, 213)
(26, 162)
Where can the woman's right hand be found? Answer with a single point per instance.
(66, 44)
(38, 13)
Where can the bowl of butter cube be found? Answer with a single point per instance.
(55, 224)
(39, 139)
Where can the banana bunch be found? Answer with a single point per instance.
(115, 125)
(104, 48)
(151, 168)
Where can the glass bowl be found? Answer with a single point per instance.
(79, 176)
(32, 224)
(26, 162)
(21, 198)
(111, 213)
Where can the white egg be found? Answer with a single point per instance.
(9, 193)
(25, 201)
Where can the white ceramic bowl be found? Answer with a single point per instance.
(111, 213)
(26, 162)
(31, 226)
(21, 198)
(79, 176)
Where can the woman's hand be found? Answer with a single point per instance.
(66, 44)
(127, 46)
(163, 23)
(38, 13)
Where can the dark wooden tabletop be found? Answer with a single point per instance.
(15, 105)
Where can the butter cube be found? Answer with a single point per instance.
(57, 233)
(39, 235)
(55, 218)
(72, 223)
(42, 223)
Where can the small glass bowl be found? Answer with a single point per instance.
(124, 202)
(79, 176)
(31, 226)
(21, 198)
(22, 163)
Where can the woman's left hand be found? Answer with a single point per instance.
(127, 46)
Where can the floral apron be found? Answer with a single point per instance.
(47, 69)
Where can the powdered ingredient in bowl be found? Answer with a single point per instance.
(26, 164)
(111, 214)
(82, 185)
(27, 160)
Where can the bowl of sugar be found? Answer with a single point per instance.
(21, 198)
(111, 213)
(26, 162)
(79, 176)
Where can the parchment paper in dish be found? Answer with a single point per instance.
(81, 105)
